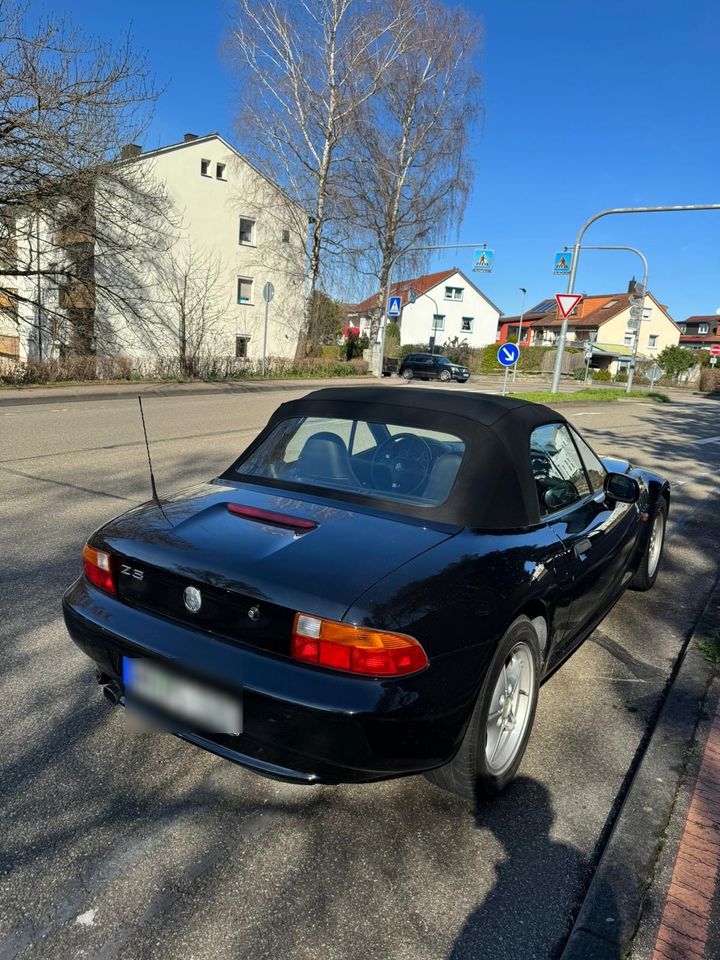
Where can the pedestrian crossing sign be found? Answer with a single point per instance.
(563, 262)
(483, 260)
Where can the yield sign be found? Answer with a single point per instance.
(567, 302)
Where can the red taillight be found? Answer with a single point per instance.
(343, 646)
(99, 568)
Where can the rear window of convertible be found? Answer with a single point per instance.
(384, 460)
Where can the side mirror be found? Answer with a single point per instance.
(622, 488)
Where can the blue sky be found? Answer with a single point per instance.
(588, 104)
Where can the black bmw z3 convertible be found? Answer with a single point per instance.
(376, 587)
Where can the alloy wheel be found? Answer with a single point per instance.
(510, 709)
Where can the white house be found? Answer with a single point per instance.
(229, 232)
(446, 305)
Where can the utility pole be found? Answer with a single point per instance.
(523, 291)
(555, 386)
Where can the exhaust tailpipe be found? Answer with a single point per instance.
(112, 692)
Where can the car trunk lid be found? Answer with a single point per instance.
(256, 557)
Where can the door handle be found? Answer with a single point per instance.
(581, 548)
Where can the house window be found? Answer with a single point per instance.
(629, 339)
(247, 231)
(286, 236)
(241, 347)
(683, 328)
(652, 340)
(466, 325)
(205, 168)
(220, 171)
(453, 293)
(438, 321)
(244, 290)
(703, 328)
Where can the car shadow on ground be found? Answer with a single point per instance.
(521, 821)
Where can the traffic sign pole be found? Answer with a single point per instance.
(268, 294)
(555, 386)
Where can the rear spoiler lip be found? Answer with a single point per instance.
(272, 517)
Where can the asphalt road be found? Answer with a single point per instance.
(119, 844)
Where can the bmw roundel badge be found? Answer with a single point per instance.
(193, 599)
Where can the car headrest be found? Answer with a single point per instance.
(325, 456)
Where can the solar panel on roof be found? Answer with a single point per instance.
(543, 307)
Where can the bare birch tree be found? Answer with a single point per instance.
(191, 305)
(409, 178)
(306, 67)
(72, 217)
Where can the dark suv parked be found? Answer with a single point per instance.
(425, 366)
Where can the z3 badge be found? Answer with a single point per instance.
(133, 572)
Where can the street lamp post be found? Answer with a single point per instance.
(523, 291)
(555, 386)
(403, 253)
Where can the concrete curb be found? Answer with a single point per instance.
(610, 913)
(120, 391)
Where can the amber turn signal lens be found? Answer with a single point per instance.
(343, 646)
(99, 568)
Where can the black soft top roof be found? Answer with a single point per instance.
(494, 488)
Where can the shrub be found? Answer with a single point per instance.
(710, 380)
(601, 375)
(621, 377)
(579, 373)
(407, 348)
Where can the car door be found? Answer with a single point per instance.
(593, 532)
(436, 368)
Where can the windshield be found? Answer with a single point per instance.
(383, 460)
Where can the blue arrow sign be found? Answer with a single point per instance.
(395, 306)
(562, 262)
(508, 354)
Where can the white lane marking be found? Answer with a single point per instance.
(708, 440)
(86, 919)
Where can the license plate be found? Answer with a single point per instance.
(154, 685)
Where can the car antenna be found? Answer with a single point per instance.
(155, 496)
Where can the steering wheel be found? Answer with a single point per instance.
(401, 463)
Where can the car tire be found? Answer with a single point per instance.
(647, 572)
(445, 376)
(477, 772)
(407, 374)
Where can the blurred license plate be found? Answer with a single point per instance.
(154, 685)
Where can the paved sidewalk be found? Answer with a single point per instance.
(681, 920)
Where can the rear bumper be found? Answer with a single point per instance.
(300, 724)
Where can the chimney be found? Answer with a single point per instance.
(189, 136)
(130, 150)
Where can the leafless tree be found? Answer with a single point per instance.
(75, 217)
(306, 67)
(409, 178)
(191, 303)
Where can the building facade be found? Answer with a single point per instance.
(700, 332)
(447, 305)
(603, 321)
(226, 232)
